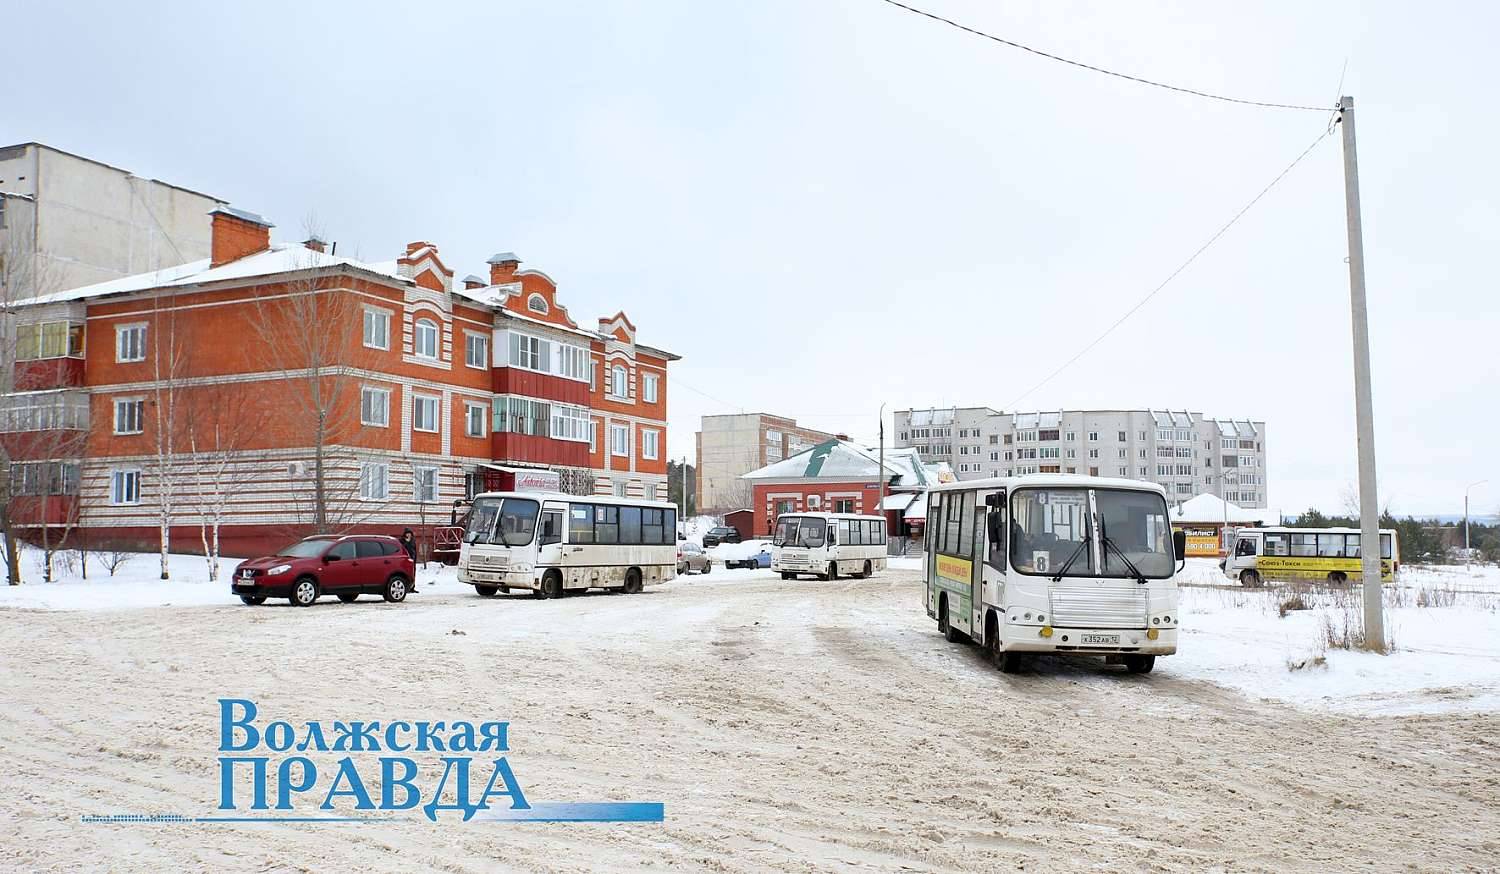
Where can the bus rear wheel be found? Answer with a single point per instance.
(950, 634)
(1249, 579)
(632, 582)
(865, 573)
(1338, 578)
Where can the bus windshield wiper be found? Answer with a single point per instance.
(1134, 571)
(1072, 558)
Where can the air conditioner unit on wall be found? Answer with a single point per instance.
(814, 502)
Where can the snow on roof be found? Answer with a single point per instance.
(242, 214)
(918, 508)
(1231, 428)
(923, 418)
(280, 258)
(1027, 421)
(898, 501)
(1212, 508)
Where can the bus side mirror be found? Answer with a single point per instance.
(1179, 544)
(996, 499)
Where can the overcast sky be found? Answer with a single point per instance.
(827, 206)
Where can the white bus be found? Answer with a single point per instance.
(552, 544)
(1302, 554)
(827, 545)
(1054, 563)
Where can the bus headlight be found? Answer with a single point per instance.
(1155, 621)
(1045, 631)
(1152, 634)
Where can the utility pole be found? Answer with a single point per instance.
(1369, 506)
(880, 472)
(1466, 519)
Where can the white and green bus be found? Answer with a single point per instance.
(1054, 563)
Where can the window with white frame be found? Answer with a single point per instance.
(130, 343)
(619, 439)
(125, 487)
(649, 387)
(593, 436)
(573, 362)
(619, 382)
(424, 413)
(130, 415)
(620, 488)
(425, 483)
(377, 329)
(375, 406)
(475, 416)
(537, 304)
(476, 350)
(374, 480)
(650, 444)
(425, 338)
(570, 423)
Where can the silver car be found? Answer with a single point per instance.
(691, 557)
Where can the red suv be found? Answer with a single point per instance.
(348, 566)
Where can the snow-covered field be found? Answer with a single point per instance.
(786, 725)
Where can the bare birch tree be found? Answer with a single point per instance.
(220, 423)
(168, 368)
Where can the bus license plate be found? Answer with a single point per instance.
(1105, 639)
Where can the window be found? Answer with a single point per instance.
(1121, 453)
(570, 423)
(49, 340)
(129, 415)
(476, 350)
(650, 440)
(375, 406)
(424, 413)
(1331, 545)
(1122, 437)
(474, 416)
(425, 483)
(843, 505)
(593, 436)
(368, 549)
(649, 383)
(619, 439)
(130, 343)
(1093, 436)
(1072, 435)
(374, 481)
(1093, 453)
(621, 488)
(425, 338)
(537, 304)
(1047, 434)
(44, 478)
(619, 386)
(125, 487)
(522, 416)
(1049, 452)
(377, 329)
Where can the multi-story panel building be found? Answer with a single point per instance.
(1185, 452)
(731, 446)
(78, 221)
(280, 389)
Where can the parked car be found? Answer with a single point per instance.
(346, 566)
(721, 534)
(751, 554)
(691, 557)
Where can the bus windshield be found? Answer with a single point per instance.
(502, 521)
(1135, 534)
(799, 531)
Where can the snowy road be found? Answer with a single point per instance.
(786, 726)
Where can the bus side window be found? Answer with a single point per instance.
(552, 527)
(995, 534)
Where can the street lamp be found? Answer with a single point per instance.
(1466, 519)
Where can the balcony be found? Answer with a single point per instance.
(44, 424)
(49, 355)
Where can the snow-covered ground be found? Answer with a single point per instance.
(1444, 622)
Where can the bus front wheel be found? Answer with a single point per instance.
(831, 574)
(486, 591)
(1140, 664)
(1249, 579)
(552, 585)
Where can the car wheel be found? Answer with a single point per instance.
(486, 591)
(395, 589)
(253, 600)
(1140, 664)
(633, 582)
(708, 566)
(304, 592)
(348, 597)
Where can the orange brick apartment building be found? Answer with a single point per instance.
(222, 387)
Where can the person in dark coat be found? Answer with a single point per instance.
(409, 543)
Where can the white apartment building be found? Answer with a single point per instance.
(1186, 452)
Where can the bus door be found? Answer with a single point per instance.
(934, 515)
(990, 571)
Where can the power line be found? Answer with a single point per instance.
(1126, 76)
(1173, 275)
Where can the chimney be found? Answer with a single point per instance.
(237, 233)
(503, 267)
(315, 244)
(472, 282)
(844, 438)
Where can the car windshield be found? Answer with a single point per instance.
(306, 548)
(502, 521)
